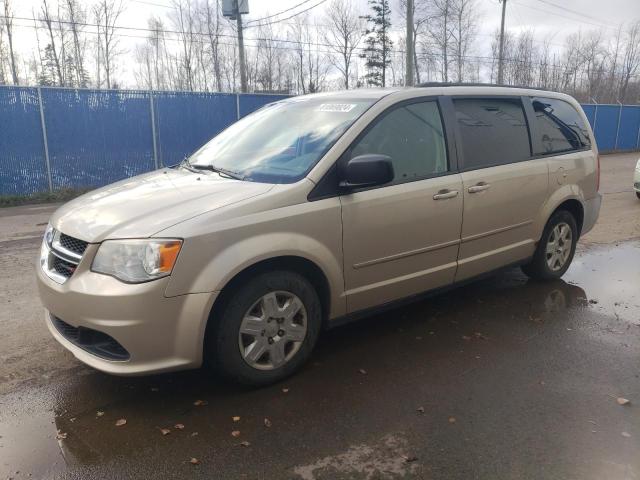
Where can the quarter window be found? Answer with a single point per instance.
(493, 131)
(413, 137)
(559, 126)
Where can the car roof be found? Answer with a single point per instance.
(435, 88)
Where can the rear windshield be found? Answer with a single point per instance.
(280, 143)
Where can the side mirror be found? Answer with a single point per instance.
(367, 171)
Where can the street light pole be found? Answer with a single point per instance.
(500, 54)
(409, 50)
(243, 70)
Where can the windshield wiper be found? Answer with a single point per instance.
(220, 171)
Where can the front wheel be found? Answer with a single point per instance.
(266, 330)
(555, 249)
(638, 194)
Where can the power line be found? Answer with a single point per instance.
(575, 12)
(279, 13)
(290, 17)
(599, 25)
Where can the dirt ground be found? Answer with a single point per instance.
(503, 378)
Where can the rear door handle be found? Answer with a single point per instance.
(480, 187)
(444, 194)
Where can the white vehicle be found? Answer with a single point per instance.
(636, 179)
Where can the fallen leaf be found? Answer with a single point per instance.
(481, 336)
(178, 426)
(194, 434)
(363, 371)
(165, 431)
(285, 390)
(72, 419)
(593, 300)
(61, 435)
(409, 458)
(121, 422)
(452, 419)
(420, 409)
(626, 434)
(200, 403)
(267, 423)
(622, 401)
(235, 433)
(194, 461)
(99, 413)
(236, 419)
(466, 337)
(244, 444)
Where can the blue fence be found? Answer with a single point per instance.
(52, 138)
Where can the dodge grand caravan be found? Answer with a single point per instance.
(312, 210)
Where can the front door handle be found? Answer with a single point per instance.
(480, 187)
(444, 194)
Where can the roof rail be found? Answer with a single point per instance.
(473, 84)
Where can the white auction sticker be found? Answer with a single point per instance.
(336, 107)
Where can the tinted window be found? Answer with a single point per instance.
(560, 127)
(412, 136)
(493, 131)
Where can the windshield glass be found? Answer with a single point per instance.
(281, 142)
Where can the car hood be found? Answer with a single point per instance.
(143, 205)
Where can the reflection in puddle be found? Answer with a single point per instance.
(611, 277)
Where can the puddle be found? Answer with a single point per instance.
(610, 277)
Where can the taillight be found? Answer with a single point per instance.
(598, 175)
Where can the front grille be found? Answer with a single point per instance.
(73, 244)
(63, 267)
(93, 341)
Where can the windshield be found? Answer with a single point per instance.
(281, 142)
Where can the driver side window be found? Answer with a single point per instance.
(412, 135)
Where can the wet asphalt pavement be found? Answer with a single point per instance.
(504, 378)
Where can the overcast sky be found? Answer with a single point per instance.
(547, 18)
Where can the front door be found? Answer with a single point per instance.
(402, 238)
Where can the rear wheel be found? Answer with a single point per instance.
(267, 329)
(556, 248)
(638, 194)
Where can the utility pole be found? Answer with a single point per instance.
(243, 69)
(408, 81)
(500, 54)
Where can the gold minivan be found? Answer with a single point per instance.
(310, 211)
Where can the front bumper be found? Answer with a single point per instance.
(158, 333)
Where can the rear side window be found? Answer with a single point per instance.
(413, 137)
(493, 131)
(560, 127)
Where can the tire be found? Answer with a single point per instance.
(256, 306)
(638, 194)
(540, 266)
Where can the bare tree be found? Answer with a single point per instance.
(52, 53)
(76, 15)
(106, 14)
(631, 58)
(441, 33)
(463, 32)
(343, 34)
(8, 27)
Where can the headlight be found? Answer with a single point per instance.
(48, 235)
(137, 261)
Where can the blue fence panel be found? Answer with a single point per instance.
(185, 121)
(250, 102)
(629, 125)
(590, 112)
(97, 137)
(23, 167)
(606, 126)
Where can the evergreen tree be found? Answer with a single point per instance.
(48, 76)
(377, 51)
